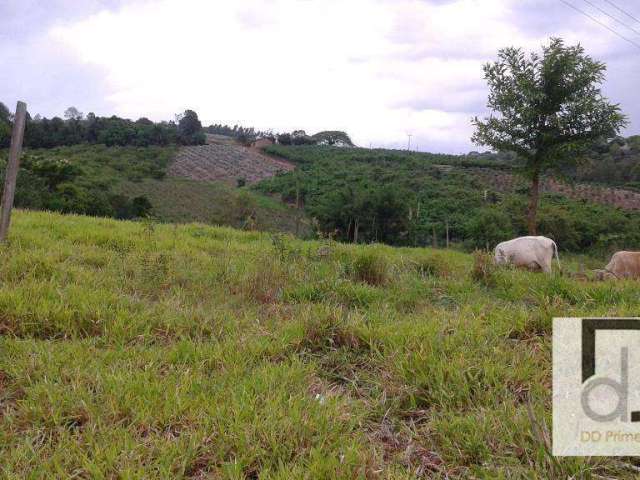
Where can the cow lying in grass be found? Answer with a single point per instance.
(532, 253)
(622, 265)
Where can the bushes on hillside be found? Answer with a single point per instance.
(487, 227)
(76, 180)
(403, 198)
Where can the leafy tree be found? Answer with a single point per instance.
(190, 128)
(284, 139)
(72, 113)
(5, 126)
(336, 138)
(5, 114)
(548, 109)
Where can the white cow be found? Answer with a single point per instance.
(534, 253)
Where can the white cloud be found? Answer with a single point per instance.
(376, 68)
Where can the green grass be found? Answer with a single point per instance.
(111, 165)
(141, 350)
(181, 200)
(141, 171)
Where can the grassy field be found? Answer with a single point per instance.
(182, 200)
(136, 350)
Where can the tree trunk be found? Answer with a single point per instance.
(355, 231)
(447, 231)
(534, 198)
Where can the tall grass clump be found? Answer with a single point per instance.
(370, 267)
(484, 268)
(431, 265)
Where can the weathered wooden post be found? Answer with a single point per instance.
(11, 172)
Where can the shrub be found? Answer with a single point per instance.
(488, 226)
(369, 267)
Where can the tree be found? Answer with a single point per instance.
(547, 109)
(284, 139)
(72, 113)
(337, 138)
(190, 129)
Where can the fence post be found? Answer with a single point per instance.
(11, 172)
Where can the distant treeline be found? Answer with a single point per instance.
(77, 128)
(236, 131)
(297, 137)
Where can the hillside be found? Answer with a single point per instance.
(409, 198)
(181, 200)
(144, 350)
(228, 163)
(130, 182)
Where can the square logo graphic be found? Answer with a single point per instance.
(596, 386)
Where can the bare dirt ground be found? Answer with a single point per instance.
(222, 160)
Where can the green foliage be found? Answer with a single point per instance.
(190, 129)
(181, 200)
(401, 198)
(332, 138)
(5, 126)
(284, 139)
(548, 109)
(84, 179)
(142, 350)
(111, 131)
(489, 226)
(369, 267)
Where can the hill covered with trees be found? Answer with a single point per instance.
(409, 198)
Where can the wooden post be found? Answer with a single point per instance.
(11, 172)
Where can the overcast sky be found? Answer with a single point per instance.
(378, 69)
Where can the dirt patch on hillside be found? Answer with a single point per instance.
(225, 162)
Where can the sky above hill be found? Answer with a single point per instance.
(378, 69)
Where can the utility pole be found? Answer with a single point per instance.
(11, 172)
